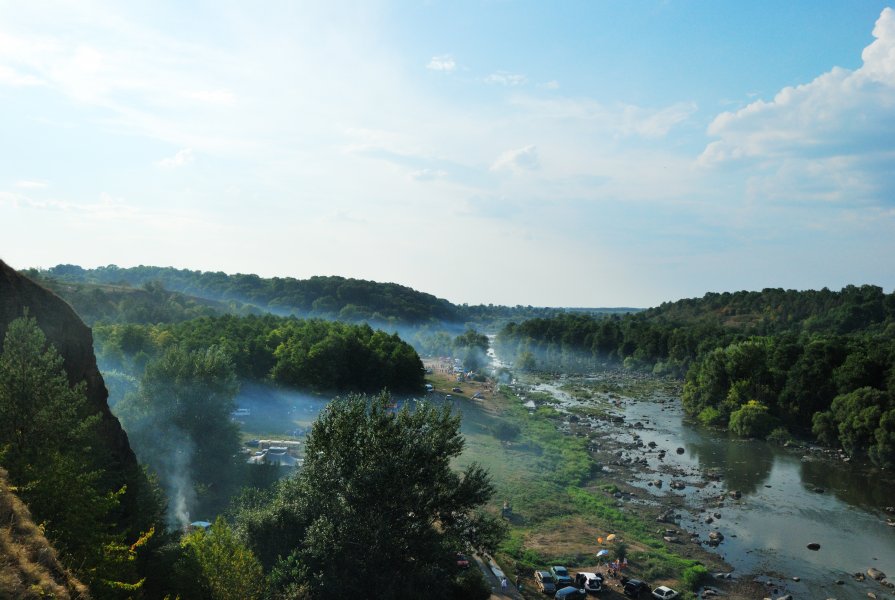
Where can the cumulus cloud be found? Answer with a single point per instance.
(181, 159)
(504, 78)
(518, 160)
(828, 139)
(443, 62)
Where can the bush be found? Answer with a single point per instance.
(709, 416)
(780, 435)
(693, 577)
(751, 420)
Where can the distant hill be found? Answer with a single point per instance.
(149, 303)
(137, 294)
(775, 310)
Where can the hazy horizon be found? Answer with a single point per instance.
(612, 154)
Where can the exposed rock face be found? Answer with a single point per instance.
(74, 342)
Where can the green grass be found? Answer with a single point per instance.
(549, 477)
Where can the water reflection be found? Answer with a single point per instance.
(849, 483)
(745, 465)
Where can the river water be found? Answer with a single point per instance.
(789, 499)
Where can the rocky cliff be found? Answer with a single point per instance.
(74, 342)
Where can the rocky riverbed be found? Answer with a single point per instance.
(781, 517)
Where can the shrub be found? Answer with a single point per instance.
(780, 435)
(693, 577)
(709, 416)
(751, 420)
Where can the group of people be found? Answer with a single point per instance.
(616, 566)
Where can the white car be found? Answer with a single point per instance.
(589, 582)
(664, 593)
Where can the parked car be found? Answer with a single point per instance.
(545, 583)
(664, 593)
(589, 582)
(570, 593)
(634, 588)
(561, 576)
(456, 390)
(462, 561)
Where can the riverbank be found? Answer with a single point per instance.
(579, 458)
(558, 500)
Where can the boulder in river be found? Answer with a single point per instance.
(680, 450)
(875, 574)
(735, 494)
(814, 546)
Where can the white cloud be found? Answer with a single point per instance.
(26, 184)
(11, 77)
(504, 78)
(181, 159)
(443, 62)
(216, 97)
(621, 120)
(428, 174)
(828, 139)
(520, 159)
(550, 85)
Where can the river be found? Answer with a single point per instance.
(789, 499)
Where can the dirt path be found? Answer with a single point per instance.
(494, 582)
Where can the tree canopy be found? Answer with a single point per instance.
(376, 498)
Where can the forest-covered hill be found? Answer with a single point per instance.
(147, 294)
(819, 362)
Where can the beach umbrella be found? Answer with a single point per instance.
(599, 540)
(602, 553)
(610, 537)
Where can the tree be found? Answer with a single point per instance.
(472, 347)
(46, 434)
(179, 424)
(227, 570)
(751, 420)
(376, 497)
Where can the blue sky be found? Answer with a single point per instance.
(575, 153)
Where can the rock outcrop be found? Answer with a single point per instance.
(74, 342)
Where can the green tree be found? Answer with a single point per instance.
(227, 570)
(179, 424)
(377, 497)
(46, 434)
(862, 422)
(751, 420)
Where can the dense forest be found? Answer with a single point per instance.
(284, 538)
(311, 354)
(155, 294)
(759, 363)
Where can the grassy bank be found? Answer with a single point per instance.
(561, 501)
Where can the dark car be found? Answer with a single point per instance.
(462, 561)
(545, 582)
(571, 593)
(634, 588)
(561, 576)
(456, 390)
